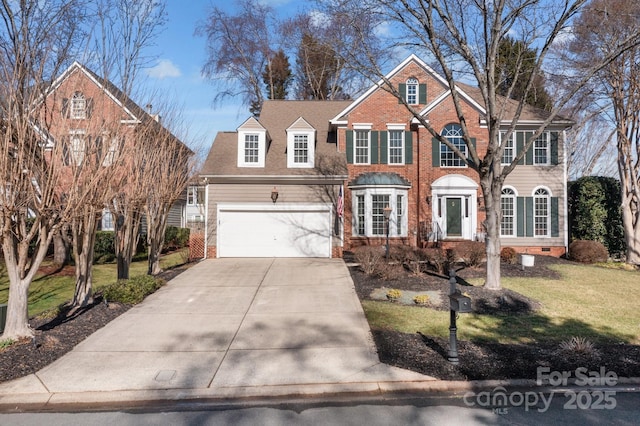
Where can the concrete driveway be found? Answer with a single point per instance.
(226, 327)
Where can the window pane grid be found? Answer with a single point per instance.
(251, 148)
(507, 204)
(360, 230)
(540, 149)
(78, 106)
(399, 213)
(507, 154)
(448, 158)
(412, 91)
(541, 213)
(300, 149)
(378, 203)
(395, 146)
(362, 147)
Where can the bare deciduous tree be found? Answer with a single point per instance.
(602, 26)
(464, 38)
(36, 39)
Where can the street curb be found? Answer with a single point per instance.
(141, 399)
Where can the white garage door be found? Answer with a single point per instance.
(278, 230)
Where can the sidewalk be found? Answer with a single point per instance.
(227, 328)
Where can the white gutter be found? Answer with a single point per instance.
(566, 194)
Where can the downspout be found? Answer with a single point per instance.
(418, 237)
(206, 218)
(566, 195)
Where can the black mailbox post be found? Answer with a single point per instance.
(459, 303)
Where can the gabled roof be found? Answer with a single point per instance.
(132, 110)
(277, 116)
(411, 59)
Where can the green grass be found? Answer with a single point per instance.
(597, 303)
(48, 292)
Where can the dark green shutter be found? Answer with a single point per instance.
(520, 217)
(528, 201)
(529, 156)
(555, 222)
(422, 94)
(520, 145)
(408, 147)
(554, 147)
(374, 147)
(402, 89)
(435, 152)
(473, 143)
(384, 151)
(349, 147)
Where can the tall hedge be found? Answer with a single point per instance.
(595, 214)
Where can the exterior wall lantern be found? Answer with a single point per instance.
(274, 195)
(387, 214)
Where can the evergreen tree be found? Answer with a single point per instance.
(277, 76)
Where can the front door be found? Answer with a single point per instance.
(454, 217)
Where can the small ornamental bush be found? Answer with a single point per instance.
(421, 299)
(132, 291)
(389, 271)
(578, 346)
(472, 252)
(509, 255)
(586, 251)
(104, 247)
(394, 294)
(369, 258)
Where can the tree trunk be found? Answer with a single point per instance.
(492, 227)
(21, 274)
(631, 226)
(156, 226)
(84, 237)
(61, 248)
(126, 240)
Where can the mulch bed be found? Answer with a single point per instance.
(484, 360)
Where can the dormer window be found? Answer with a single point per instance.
(300, 144)
(251, 144)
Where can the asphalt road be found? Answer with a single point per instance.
(581, 407)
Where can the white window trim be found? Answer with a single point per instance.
(415, 83)
(465, 152)
(79, 135)
(262, 135)
(78, 113)
(514, 197)
(355, 147)
(368, 211)
(548, 197)
(311, 143)
(401, 127)
(513, 147)
(548, 149)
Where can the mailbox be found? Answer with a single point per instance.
(460, 303)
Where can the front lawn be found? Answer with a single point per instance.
(512, 331)
(49, 290)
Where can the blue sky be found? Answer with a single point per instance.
(181, 55)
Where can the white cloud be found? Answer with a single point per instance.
(164, 69)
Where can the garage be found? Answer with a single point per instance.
(270, 230)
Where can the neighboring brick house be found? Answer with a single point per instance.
(88, 110)
(391, 161)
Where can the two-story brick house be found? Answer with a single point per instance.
(87, 111)
(394, 163)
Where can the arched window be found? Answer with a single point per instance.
(412, 91)
(78, 106)
(508, 207)
(448, 158)
(541, 212)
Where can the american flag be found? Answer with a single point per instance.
(340, 203)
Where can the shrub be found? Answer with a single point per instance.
(132, 291)
(508, 255)
(421, 299)
(104, 247)
(471, 252)
(408, 256)
(175, 238)
(394, 294)
(437, 259)
(586, 251)
(578, 345)
(368, 257)
(388, 271)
